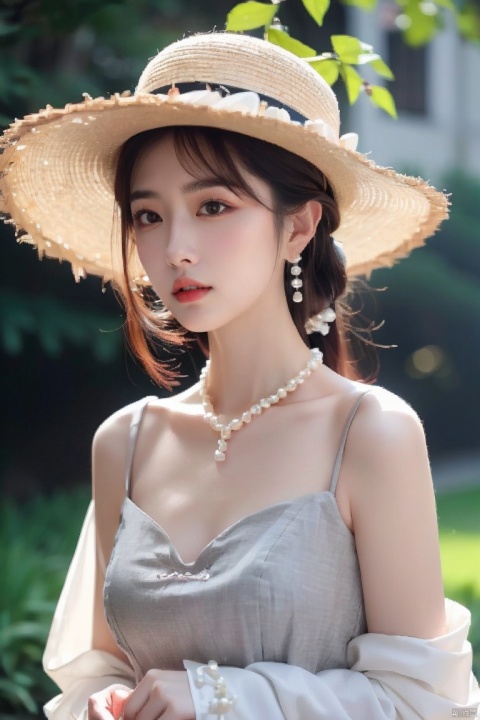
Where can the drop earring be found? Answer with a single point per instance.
(296, 271)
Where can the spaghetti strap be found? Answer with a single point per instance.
(132, 440)
(343, 440)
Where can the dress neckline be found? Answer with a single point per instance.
(283, 505)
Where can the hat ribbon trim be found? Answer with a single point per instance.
(227, 90)
(227, 97)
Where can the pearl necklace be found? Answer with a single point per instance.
(217, 422)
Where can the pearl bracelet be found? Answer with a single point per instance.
(222, 701)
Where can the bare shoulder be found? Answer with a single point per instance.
(392, 502)
(386, 446)
(109, 450)
(109, 463)
(111, 441)
(384, 424)
(109, 435)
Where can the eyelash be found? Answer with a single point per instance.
(142, 211)
(138, 214)
(216, 202)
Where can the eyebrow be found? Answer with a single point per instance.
(190, 187)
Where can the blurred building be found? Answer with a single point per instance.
(437, 93)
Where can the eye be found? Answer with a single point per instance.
(145, 218)
(213, 207)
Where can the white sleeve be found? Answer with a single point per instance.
(69, 658)
(390, 677)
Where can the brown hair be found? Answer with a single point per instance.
(293, 182)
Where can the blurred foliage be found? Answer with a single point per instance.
(55, 324)
(418, 20)
(57, 51)
(436, 293)
(459, 525)
(36, 546)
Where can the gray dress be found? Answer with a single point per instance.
(282, 585)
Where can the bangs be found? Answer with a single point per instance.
(203, 152)
(207, 152)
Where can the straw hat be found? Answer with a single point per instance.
(57, 166)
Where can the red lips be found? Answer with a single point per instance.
(185, 283)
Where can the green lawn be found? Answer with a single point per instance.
(459, 526)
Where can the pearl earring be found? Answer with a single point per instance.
(296, 271)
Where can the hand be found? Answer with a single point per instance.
(161, 694)
(108, 703)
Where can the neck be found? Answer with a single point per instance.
(246, 366)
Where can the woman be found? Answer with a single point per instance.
(281, 559)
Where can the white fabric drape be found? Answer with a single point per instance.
(390, 677)
(69, 659)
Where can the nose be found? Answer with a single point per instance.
(181, 245)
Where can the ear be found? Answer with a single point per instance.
(300, 228)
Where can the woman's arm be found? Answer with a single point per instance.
(394, 519)
(163, 694)
(109, 459)
(394, 671)
(81, 655)
(69, 659)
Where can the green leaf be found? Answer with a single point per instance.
(382, 98)
(468, 21)
(283, 39)
(317, 9)
(25, 630)
(249, 16)
(421, 31)
(353, 82)
(422, 26)
(382, 69)
(17, 695)
(21, 678)
(349, 48)
(328, 69)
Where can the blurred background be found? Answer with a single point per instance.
(64, 366)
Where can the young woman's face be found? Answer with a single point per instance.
(212, 256)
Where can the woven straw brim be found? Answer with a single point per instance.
(57, 171)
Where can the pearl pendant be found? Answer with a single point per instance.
(297, 297)
(219, 424)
